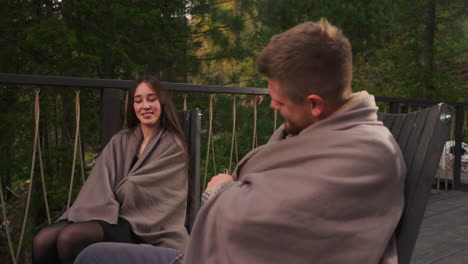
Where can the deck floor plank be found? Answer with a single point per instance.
(443, 237)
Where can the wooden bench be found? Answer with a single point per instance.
(421, 137)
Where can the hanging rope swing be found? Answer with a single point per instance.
(210, 145)
(76, 148)
(233, 138)
(254, 136)
(36, 148)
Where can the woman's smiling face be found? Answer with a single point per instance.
(147, 105)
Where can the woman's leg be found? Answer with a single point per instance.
(75, 237)
(45, 243)
(123, 253)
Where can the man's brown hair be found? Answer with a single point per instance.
(313, 57)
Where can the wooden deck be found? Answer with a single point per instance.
(443, 237)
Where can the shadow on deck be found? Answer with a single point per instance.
(443, 237)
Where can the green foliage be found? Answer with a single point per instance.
(398, 68)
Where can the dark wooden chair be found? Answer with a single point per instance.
(190, 122)
(421, 137)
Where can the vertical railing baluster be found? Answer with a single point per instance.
(110, 114)
(459, 117)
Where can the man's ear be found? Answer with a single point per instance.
(317, 105)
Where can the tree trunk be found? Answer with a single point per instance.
(428, 49)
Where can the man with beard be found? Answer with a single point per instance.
(326, 188)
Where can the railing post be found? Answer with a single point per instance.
(394, 108)
(110, 114)
(459, 117)
(404, 109)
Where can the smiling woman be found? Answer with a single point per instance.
(122, 200)
(147, 106)
(152, 108)
(147, 109)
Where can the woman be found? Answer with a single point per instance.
(137, 191)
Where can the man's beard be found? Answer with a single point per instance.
(292, 128)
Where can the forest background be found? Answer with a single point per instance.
(409, 49)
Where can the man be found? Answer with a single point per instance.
(328, 186)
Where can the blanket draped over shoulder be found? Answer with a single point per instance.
(331, 194)
(151, 196)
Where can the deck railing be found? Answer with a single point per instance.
(111, 102)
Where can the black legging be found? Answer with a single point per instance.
(62, 241)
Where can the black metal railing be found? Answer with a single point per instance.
(110, 102)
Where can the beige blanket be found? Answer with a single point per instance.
(332, 194)
(151, 196)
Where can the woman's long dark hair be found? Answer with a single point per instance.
(168, 119)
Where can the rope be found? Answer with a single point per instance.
(44, 189)
(233, 139)
(213, 154)
(81, 159)
(6, 223)
(275, 118)
(185, 102)
(28, 201)
(210, 142)
(125, 111)
(77, 136)
(254, 136)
